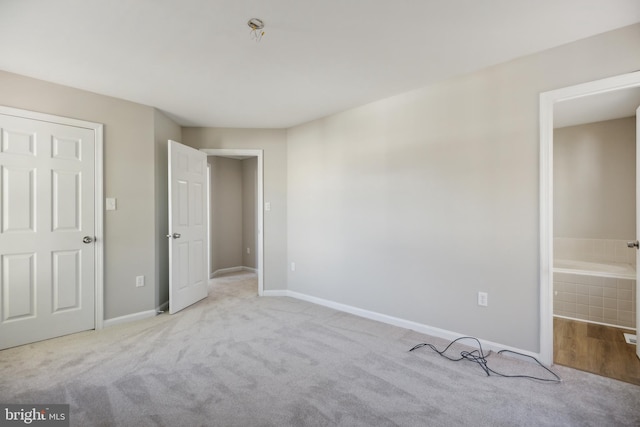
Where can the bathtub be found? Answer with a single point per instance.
(594, 280)
(616, 270)
(596, 292)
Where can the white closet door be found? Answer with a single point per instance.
(47, 228)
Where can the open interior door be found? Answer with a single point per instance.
(188, 277)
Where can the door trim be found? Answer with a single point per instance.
(98, 130)
(547, 101)
(231, 152)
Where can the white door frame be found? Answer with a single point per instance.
(97, 128)
(547, 101)
(232, 152)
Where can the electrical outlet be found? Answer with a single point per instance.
(139, 281)
(293, 266)
(483, 299)
(248, 251)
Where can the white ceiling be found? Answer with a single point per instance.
(194, 59)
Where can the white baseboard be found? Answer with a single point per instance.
(222, 271)
(396, 321)
(130, 317)
(277, 293)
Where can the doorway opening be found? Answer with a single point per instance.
(238, 244)
(603, 101)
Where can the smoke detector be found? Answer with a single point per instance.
(257, 26)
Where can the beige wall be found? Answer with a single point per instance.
(594, 174)
(233, 212)
(273, 144)
(129, 176)
(164, 130)
(225, 212)
(249, 217)
(410, 205)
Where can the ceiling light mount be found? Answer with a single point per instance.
(257, 26)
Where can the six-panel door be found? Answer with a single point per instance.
(46, 210)
(188, 276)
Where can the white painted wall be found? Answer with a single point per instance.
(594, 173)
(410, 205)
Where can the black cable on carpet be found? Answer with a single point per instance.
(479, 357)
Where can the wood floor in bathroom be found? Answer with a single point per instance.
(595, 348)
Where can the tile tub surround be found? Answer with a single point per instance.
(591, 298)
(596, 250)
(596, 299)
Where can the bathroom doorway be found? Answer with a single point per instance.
(594, 274)
(595, 102)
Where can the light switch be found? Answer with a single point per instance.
(267, 206)
(110, 204)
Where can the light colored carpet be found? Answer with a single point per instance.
(235, 359)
